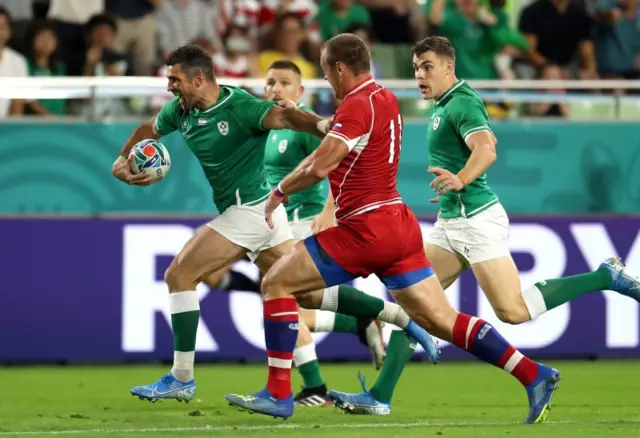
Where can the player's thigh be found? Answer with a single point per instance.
(268, 257)
(500, 281)
(213, 279)
(293, 273)
(445, 263)
(206, 252)
(426, 303)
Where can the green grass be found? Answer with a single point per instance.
(596, 399)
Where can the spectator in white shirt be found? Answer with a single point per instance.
(12, 64)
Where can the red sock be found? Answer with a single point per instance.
(281, 334)
(483, 341)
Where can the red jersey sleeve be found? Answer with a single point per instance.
(352, 122)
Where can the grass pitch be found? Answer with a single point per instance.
(596, 399)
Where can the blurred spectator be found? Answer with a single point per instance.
(41, 43)
(365, 33)
(336, 16)
(137, 32)
(239, 12)
(395, 21)
(182, 22)
(617, 38)
(236, 60)
(270, 9)
(484, 43)
(551, 109)
(101, 59)
(71, 17)
(12, 64)
(558, 31)
(289, 34)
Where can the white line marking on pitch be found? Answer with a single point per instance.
(302, 426)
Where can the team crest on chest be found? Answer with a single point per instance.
(436, 123)
(282, 146)
(223, 127)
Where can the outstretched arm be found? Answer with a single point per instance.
(291, 117)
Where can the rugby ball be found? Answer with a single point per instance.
(150, 157)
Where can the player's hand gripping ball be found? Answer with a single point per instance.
(152, 158)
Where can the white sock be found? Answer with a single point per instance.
(325, 321)
(304, 354)
(330, 299)
(394, 314)
(534, 300)
(183, 361)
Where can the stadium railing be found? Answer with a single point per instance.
(588, 92)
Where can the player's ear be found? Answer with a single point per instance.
(301, 90)
(451, 67)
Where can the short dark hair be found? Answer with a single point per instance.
(284, 64)
(440, 45)
(100, 20)
(350, 50)
(193, 60)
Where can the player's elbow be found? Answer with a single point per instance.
(320, 172)
(489, 151)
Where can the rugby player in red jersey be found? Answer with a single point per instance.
(376, 233)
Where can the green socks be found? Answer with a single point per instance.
(549, 294)
(185, 315)
(399, 352)
(335, 322)
(306, 361)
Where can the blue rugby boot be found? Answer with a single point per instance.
(621, 282)
(167, 387)
(540, 392)
(262, 402)
(359, 404)
(422, 337)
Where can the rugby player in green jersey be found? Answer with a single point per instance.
(226, 129)
(472, 229)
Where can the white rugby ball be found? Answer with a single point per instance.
(150, 157)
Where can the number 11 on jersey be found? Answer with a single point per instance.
(392, 128)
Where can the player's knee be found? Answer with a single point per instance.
(512, 315)
(177, 279)
(273, 286)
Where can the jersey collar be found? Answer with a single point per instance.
(449, 91)
(359, 87)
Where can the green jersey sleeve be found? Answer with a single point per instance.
(251, 111)
(468, 115)
(168, 119)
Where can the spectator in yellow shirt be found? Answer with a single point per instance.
(290, 34)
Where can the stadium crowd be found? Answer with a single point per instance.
(494, 39)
